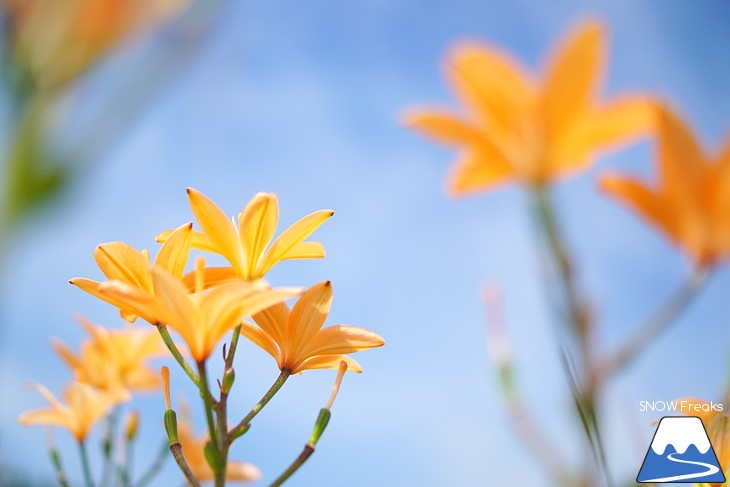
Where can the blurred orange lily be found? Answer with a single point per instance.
(110, 359)
(246, 245)
(518, 129)
(201, 318)
(85, 405)
(57, 41)
(297, 340)
(691, 202)
(120, 262)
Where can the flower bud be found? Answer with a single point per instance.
(130, 425)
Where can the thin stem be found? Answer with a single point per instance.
(85, 463)
(58, 467)
(243, 426)
(578, 317)
(177, 454)
(176, 353)
(205, 393)
(296, 464)
(233, 347)
(655, 326)
(108, 447)
(125, 470)
(155, 467)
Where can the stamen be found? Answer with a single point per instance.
(166, 385)
(338, 381)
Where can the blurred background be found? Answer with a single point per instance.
(302, 99)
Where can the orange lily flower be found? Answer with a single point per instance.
(57, 41)
(111, 359)
(193, 450)
(519, 129)
(120, 262)
(246, 244)
(691, 202)
(297, 340)
(85, 405)
(202, 317)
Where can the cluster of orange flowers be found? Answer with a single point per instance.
(515, 128)
(202, 306)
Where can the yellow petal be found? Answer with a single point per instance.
(133, 300)
(66, 354)
(218, 229)
(256, 226)
(227, 305)
(618, 123)
(290, 238)
(173, 255)
(442, 127)
(308, 315)
(274, 320)
(95, 289)
(342, 339)
(182, 315)
(305, 250)
(573, 75)
(199, 240)
(680, 159)
(639, 198)
(118, 261)
(328, 362)
(242, 472)
(212, 276)
(489, 82)
(477, 170)
(261, 339)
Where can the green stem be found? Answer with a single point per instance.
(657, 324)
(58, 467)
(108, 447)
(243, 426)
(85, 463)
(578, 318)
(176, 353)
(177, 454)
(296, 464)
(155, 467)
(205, 393)
(319, 426)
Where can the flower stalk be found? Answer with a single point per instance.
(320, 424)
(243, 426)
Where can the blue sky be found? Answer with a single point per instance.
(302, 99)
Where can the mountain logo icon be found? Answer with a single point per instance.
(680, 452)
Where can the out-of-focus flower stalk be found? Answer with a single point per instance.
(499, 348)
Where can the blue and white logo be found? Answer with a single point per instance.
(680, 452)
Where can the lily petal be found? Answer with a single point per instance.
(308, 315)
(573, 75)
(442, 127)
(257, 225)
(342, 339)
(118, 261)
(199, 240)
(290, 238)
(173, 255)
(218, 229)
(477, 170)
(329, 362)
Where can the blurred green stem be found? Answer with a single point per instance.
(108, 447)
(85, 464)
(58, 467)
(654, 326)
(243, 426)
(575, 312)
